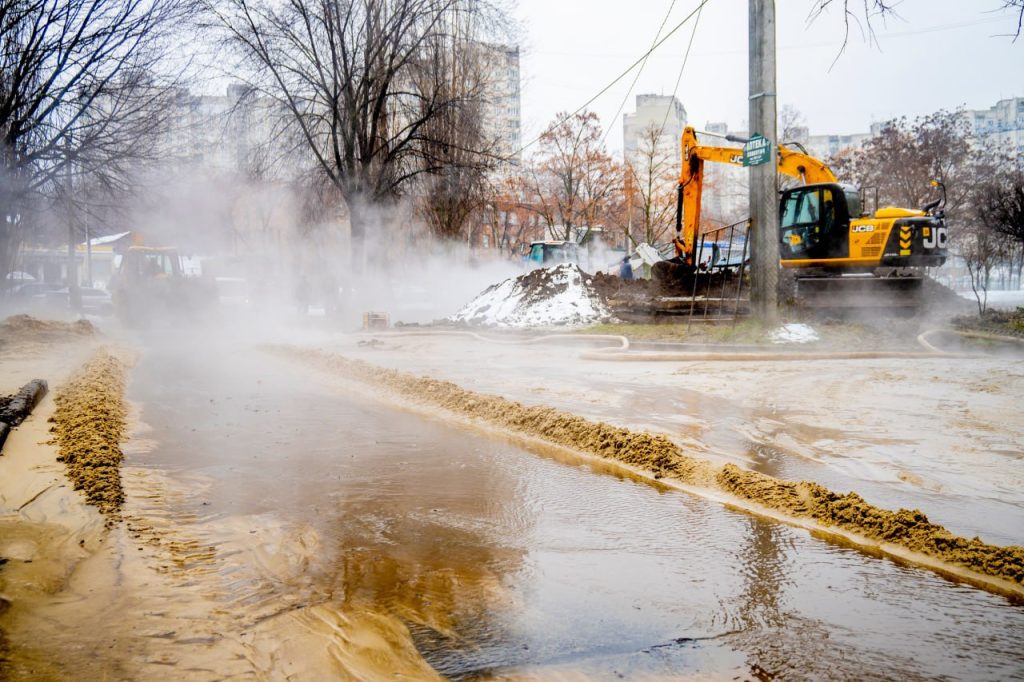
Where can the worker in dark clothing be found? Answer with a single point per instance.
(625, 269)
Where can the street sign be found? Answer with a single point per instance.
(757, 150)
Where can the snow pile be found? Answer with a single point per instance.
(793, 333)
(560, 296)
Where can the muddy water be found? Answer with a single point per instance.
(970, 484)
(879, 467)
(502, 561)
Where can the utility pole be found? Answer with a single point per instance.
(764, 179)
(74, 293)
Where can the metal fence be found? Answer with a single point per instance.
(728, 268)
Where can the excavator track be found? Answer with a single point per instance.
(860, 292)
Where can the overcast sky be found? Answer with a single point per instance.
(937, 54)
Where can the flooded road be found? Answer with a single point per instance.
(501, 561)
(943, 436)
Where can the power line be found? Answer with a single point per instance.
(620, 76)
(637, 76)
(679, 78)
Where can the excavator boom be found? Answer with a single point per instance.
(825, 238)
(791, 162)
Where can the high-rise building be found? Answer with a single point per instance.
(501, 94)
(827, 146)
(229, 133)
(662, 114)
(1001, 124)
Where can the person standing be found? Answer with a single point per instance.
(625, 269)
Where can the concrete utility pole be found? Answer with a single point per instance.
(764, 180)
(74, 293)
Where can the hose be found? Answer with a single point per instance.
(621, 340)
(923, 338)
(622, 353)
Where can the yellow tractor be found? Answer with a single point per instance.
(150, 284)
(840, 254)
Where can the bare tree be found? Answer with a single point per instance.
(572, 179)
(459, 187)
(81, 98)
(792, 125)
(653, 174)
(865, 13)
(1018, 7)
(902, 159)
(981, 249)
(999, 201)
(363, 82)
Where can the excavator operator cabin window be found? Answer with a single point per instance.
(853, 202)
(828, 211)
(800, 208)
(806, 214)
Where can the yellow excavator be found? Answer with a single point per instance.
(840, 255)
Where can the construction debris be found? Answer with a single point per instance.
(562, 296)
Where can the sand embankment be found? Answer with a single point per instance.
(89, 425)
(806, 503)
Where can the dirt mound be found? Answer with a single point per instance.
(940, 299)
(658, 455)
(668, 280)
(906, 528)
(88, 426)
(560, 296)
(25, 328)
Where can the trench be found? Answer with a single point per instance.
(503, 561)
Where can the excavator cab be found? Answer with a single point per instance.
(815, 221)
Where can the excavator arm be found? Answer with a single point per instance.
(691, 183)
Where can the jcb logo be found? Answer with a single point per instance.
(935, 238)
(736, 158)
(862, 228)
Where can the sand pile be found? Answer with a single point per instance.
(656, 454)
(88, 426)
(562, 296)
(24, 329)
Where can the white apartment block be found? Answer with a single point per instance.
(827, 146)
(1001, 124)
(666, 113)
(224, 134)
(502, 122)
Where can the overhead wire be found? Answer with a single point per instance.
(622, 75)
(639, 71)
(679, 78)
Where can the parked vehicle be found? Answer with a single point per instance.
(548, 253)
(94, 301)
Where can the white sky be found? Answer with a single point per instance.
(937, 54)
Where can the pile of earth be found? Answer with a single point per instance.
(88, 427)
(27, 329)
(562, 296)
(666, 280)
(940, 299)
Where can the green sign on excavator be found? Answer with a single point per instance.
(757, 150)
